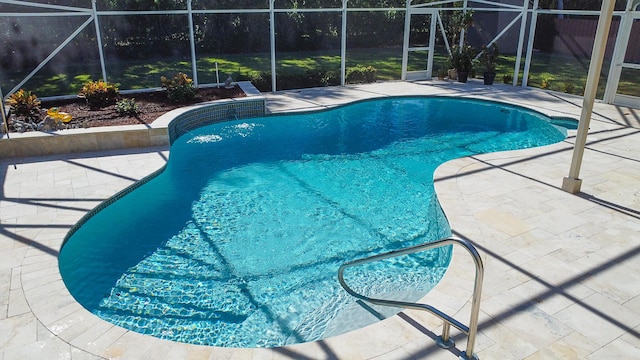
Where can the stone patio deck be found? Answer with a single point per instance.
(562, 276)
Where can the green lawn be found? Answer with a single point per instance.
(566, 74)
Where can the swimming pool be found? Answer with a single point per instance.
(238, 240)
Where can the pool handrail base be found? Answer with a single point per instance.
(448, 321)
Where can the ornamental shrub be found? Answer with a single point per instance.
(299, 80)
(99, 94)
(545, 81)
(25, 104)
(360, 74)
(127, 107)
(180, 88)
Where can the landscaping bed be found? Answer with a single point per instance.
(150, 106)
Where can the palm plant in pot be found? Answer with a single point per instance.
(488, 60)
(462, 60)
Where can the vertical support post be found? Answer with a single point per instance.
(272, 40)
(462, 32)
(4, 114)
(94, 14)
(5, 121)
(523, 27)
(343, 45)
(405, 41)
(572, 183)
(446, 331)
(620, 49)
(475, 302)
(445, 341)
(192, 43)
(432, 42)
(217, 76)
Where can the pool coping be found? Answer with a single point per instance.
(203, 116)
(396, 337)
(458, 279)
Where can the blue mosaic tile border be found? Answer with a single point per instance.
(182, 124)
(214, 113)
(110, 201)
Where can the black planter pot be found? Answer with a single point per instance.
(463, 76)
(489, 77)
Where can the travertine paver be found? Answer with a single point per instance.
(561, 276)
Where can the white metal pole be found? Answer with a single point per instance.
(4, 114)
(462, 32)
(620, 48)
(4, 120)
(405, 41)
(192, 45)
(523, 27)
(432, 43)
(272, 39)
(343, 44)
(443, 32)
(96, 23)
(50, 56)
(509, 26)
(217, 76)
(572, 183)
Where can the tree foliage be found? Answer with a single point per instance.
(139, 36)
(26, 41)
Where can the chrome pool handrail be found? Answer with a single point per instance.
(443, 341)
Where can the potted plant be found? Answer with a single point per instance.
(488, 60)
(455, 24)
(442, 74)
(462, 61)
(452, 73)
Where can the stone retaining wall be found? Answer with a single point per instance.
(168, 126)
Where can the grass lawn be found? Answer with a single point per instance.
(563, 73)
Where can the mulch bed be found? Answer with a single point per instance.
(150, 104)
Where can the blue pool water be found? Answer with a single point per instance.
(237, 242)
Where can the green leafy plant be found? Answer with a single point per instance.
(180, 87)
(360, 74)
(545, 80)
(127, 107)
(462, 57)
(488, 57)
(24, 104)
(460, 20)
(99, 94)
(568, 87)
(298, 80)
(320, 77)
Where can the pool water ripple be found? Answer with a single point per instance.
(244, 230)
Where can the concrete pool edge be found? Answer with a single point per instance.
(461, 272)
(129, 189)
(114, 342)
(56, 309)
